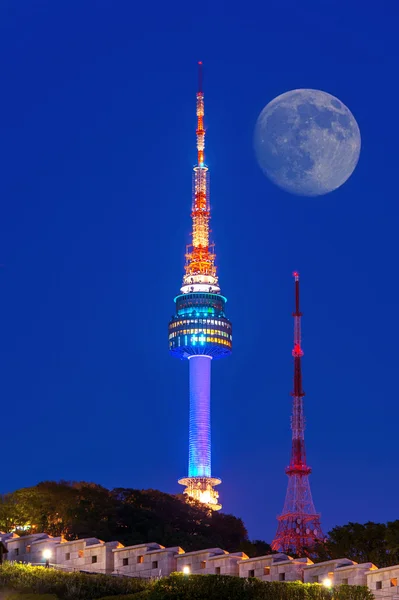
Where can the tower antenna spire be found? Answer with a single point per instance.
(200, 119)
(200, 76)
(200, 330)
(299, 528)
(200, 256)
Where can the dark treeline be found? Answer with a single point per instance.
(127, 515)
(370, 542)
(137, 516)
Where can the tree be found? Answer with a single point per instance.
(256, 548)
(81, 509)
(392, 541)
(361, 543)
(150, 515)
(9, 513)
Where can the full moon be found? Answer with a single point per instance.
(307, 142)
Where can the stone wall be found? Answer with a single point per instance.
(26, 548)
(324, 570)
(145, 560)
(353, 575)
(153, 560)
(274, 567)
(384, 583)
(195, 562)
(224, 564)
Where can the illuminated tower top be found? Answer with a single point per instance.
(200, 270)
(200, 325)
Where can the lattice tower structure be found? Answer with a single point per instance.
(299, 528)
(199, 331)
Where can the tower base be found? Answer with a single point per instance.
(298, 533)
(201, 489)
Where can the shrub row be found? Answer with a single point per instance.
(223, 587)
(19, 596)
(66, 586)
(145, 595)
(80, 586)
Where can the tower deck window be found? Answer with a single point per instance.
(125, 562)
(378, 585)
(140, 559)
(281, 576)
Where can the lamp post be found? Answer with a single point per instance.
(186, 570)
(328, 584)
(47, 556)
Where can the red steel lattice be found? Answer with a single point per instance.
(299, 526)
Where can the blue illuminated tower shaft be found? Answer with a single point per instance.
(199, 330)
(199, 457)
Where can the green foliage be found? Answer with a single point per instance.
(370, 542)
(255, 548)
(18, 596)
(144, 595)
(77, 510)
(353, 592)
(67, 586)
(219, 587)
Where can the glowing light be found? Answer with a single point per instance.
(186, 570)
(47, 554)
(327, 582)
(205, 497)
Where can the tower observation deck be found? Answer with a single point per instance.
(200, 331)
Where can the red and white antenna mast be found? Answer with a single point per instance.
(299, 528)
(200, 269)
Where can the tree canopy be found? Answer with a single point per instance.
(81, 509)
(369, 542)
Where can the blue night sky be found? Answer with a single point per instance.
(97, 144)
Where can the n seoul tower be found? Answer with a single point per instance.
(200, 331)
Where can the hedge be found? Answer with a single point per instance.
(18, 596)
(220, 587)
(81, 586)
(225, 587)
(67, 586)
(145, 595)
